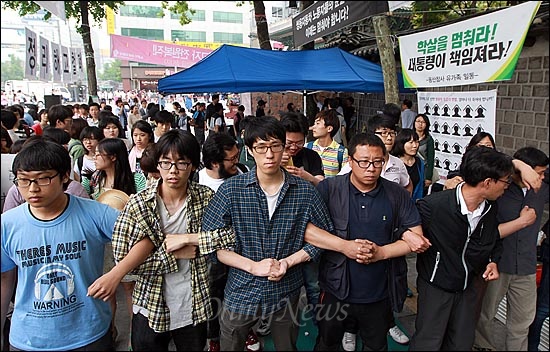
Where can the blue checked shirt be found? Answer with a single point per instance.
(240, 203)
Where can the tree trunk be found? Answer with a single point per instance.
(88, 49)
(387, 58)
(261, 25)
(310, 110)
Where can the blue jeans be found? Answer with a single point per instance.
(542, 310)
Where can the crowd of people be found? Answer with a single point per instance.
(222, 227)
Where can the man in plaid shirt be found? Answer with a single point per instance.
(170, 299)
(269, 209)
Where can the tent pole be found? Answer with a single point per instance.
(304, 110)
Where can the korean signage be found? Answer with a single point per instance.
(481, 49)
(153, 52)
(454, 118)
(32, 56)
(325, 17)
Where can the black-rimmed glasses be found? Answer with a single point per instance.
(41, 181)
(180, 165)
(365, 164)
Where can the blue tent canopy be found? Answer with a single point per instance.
(237, 70)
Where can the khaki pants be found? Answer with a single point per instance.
(521, 296)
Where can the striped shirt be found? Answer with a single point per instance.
(139, 220)
(329, 157)
(242, 204)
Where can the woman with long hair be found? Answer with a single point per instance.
(113, 172)
(142, 136)
(426, 149)
(85, 165)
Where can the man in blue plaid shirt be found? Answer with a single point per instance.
(268, 209)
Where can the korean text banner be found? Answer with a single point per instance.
(455, 117)
(152, 52)
(325, 17)
(481, 49)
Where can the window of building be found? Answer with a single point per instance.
(143, 33)
(228, 38)
(277, 12)
(188, 36)
(200, 15)
(228, 17)
(141, 11)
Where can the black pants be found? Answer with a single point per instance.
(445, 320)
(373, 321)
(188, 338)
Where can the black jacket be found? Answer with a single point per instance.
(455, 257)
(333, 273)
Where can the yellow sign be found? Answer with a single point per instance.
(201, 45)
(110, 18)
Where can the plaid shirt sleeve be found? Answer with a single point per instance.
(217, 232)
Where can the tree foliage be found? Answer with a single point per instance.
(111, 71)
(13, 68)
(180, 8)
(432, 12)
(78, 10)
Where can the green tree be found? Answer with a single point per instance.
(431, 12)
(12, 68)
(111, 71)
(179, 8)
(79, 10)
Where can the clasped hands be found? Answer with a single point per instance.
(363, 251)
(271, 268)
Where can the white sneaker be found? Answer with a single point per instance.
(348, 341)
(398, 336)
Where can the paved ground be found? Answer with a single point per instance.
(306, 340)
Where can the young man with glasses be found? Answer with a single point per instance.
(268, 208)
(170, 299)
(54, 247)
(376, 214)
(462, 226)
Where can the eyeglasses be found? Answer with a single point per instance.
(262, 149)
(386, 133)
(41, 181)
(233, 159)
(85, 140)
(365, 164)
(507, 181)
(421, 122)
(290, 144)
(180, 165)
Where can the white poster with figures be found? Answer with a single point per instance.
(7, 176)
(31, 57)
(455, 117)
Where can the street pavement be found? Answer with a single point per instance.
(306, 340)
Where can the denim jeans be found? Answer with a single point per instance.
(542, 310)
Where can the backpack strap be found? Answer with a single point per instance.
(341, 150)
(80, 163)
